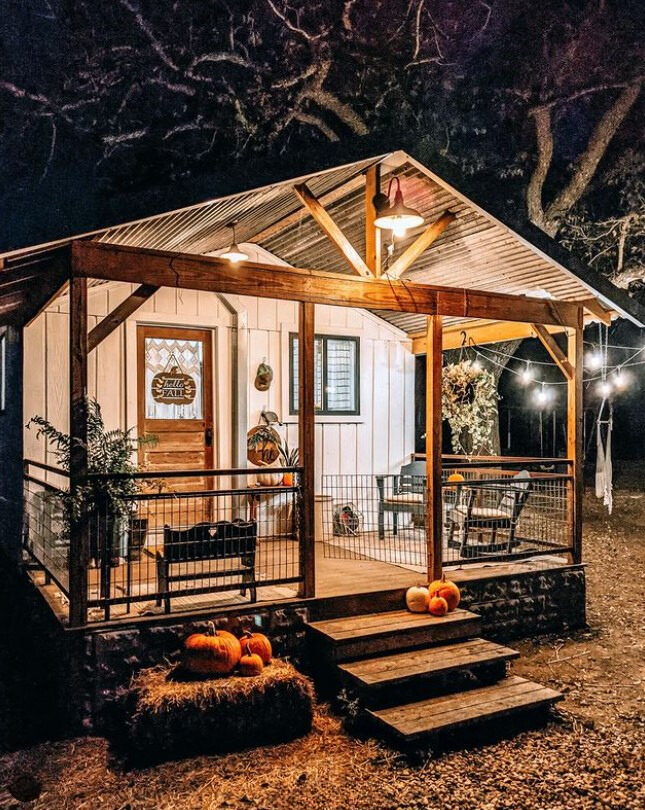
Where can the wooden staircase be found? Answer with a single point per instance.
(420, 679)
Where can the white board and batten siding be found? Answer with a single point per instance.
(376, 441)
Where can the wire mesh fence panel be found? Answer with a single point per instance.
(161, 547)
(487, 514)
(46, 530)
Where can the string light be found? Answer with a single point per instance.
(526, 376)
(543, 396)
(604, 388)
(620, 379)
(594, 361)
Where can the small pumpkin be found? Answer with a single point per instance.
(448, 590)
(416, 599)
(268, 478)
(259, 644)
(215, 652)
(437, 606)
(250, 663)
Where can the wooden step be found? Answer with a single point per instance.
(413, 722)
(374, 633)
(374, 676)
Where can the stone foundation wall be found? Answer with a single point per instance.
(527, 604)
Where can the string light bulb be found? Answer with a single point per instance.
(604, 388)
(476, 365)
(543, 396)
(526, 375)
(620, 379)
(594, 360)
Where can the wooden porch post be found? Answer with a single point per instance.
(434, 519)
(307, 446)
(79, 537)
(575, 416)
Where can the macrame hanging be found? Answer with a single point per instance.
(604, 427)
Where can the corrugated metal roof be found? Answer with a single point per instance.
(476, 250)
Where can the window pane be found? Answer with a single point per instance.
(174, 378)
(318, 374)
(341, 375)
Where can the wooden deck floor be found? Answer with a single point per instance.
(334, 577)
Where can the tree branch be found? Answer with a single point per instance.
(544, 137)
(591, 157)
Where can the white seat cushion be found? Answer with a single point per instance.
(481, 513)
(405, 497)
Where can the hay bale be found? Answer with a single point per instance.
(169, 717)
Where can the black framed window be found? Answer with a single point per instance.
(336, 375)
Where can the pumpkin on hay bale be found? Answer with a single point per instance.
(168, 717)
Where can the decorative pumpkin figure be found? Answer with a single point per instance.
(216, 652)
(448, 590)
(269, 479)
(417, 598)
(250, 663)
(259, 644)
(437, 606)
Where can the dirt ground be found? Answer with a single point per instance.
(591, 756)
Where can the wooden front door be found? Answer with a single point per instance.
(175, 401)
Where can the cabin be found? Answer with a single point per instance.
(219, 338)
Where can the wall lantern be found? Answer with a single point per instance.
(234, 252)
(397, 217)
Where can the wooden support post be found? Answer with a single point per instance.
(575, 416)
(78, 536)
(307, 447)
(372, 233)
(434, 516)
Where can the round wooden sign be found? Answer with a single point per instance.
(262, 445)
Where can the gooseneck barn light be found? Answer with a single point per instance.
(396, 217)
(234, 252)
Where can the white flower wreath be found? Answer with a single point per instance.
(469, 403)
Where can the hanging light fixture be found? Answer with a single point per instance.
(234, 252)
(526, 376)
(396, 217)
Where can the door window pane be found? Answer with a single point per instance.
(174, 372)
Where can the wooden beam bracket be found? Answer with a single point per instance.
(420, 244)
(332, 231)
(559, 357)
(120, 314)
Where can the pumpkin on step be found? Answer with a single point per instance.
(416, 599)
(448, 590)
(259, 644)
(437, 606)
(216, 652)
(250, 663)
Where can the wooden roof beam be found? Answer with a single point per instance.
(420, 244)
(332, 231)
(213, 274)
(594, 306)
(559, 357)
(119, 314)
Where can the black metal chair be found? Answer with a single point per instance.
(467, 514)
(407, 494)
(223, 540)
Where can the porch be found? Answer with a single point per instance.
(154, 561)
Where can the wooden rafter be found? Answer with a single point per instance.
(119, 314)
(213, 274)
(481, 333)
(594, 306)
(559, 357)
(331, 230)
(372, 233)
(420, 244)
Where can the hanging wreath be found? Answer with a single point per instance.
(469, 403)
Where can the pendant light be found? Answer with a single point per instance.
(234, 252)
(397, 217)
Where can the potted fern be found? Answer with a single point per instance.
(108, 501)
(289, 457)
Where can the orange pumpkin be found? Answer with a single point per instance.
(250, 663)
(216, 652)
(416, 599)
(437, 606)
(448, 590)
(259, 644)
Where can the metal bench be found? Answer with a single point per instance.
(223, 540)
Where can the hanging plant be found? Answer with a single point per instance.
(469, 403)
